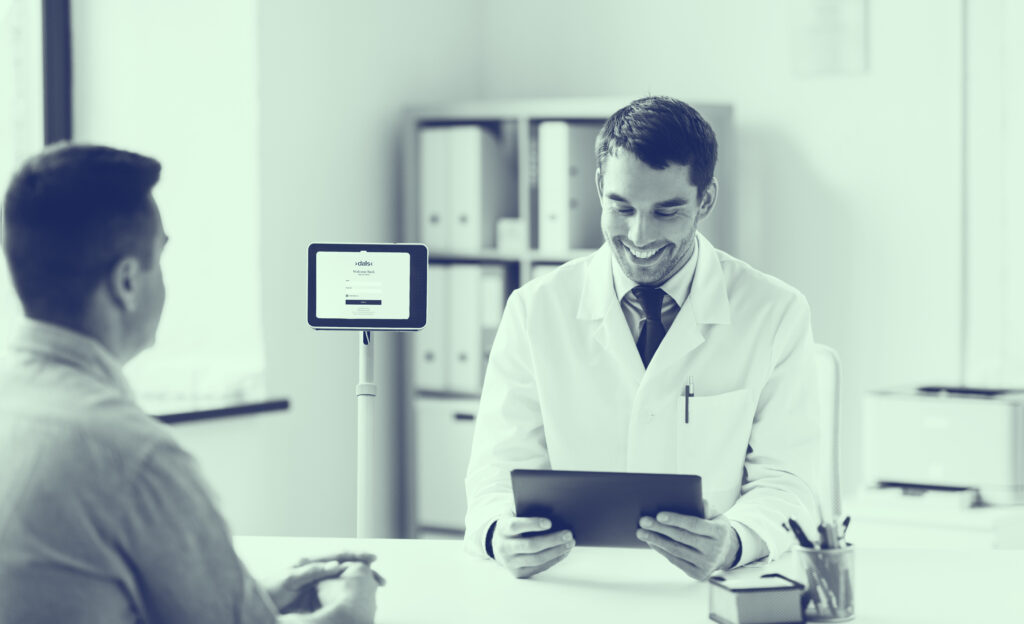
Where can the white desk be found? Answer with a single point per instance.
(434, 581)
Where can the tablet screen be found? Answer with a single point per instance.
(354, 286)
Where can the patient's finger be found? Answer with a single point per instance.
(341, 556)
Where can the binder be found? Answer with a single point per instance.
(479, 188)
(434, 181)
(538, 270)
(492, 304)
(568, 208)
(431, 369)
(465, 353)
(443, 430)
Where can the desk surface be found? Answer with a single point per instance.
(435, 581)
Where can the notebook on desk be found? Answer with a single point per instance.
(603, 508)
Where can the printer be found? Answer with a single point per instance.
(946, 438)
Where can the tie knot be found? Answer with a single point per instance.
(650, 298)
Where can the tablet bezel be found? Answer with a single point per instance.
(418, 259)
(568, 499)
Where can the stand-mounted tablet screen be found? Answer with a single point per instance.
(364, 286)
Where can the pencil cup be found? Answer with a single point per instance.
(829, 592)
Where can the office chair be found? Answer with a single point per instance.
(826, 363)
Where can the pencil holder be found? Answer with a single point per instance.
(829, 594)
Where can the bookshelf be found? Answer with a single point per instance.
(516, 192)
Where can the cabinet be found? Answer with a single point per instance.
(500, 191)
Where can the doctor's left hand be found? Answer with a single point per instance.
(295, 589)
(696, 546)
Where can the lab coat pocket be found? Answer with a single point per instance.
(712, 433)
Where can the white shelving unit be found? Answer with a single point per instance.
(437, 448)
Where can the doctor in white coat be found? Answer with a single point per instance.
(590, 363)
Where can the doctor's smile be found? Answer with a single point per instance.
(643, 256)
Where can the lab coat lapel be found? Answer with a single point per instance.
(600, 308)
(707, 304)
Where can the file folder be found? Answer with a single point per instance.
(435, 181)
(479, 183)
(538, 270)
(432, 341)
(492, 304)
(568, 208)
(465, 344)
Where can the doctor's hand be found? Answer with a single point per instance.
(526, 556)
(696, 546)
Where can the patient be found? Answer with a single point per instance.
(103, 517)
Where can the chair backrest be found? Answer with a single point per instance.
(826, 362)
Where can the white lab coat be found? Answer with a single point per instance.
(565, 389)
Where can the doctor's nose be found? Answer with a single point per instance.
(642, 230)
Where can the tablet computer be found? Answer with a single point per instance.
(603, 508)
(364, 286)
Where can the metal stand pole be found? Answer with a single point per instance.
(367, 523)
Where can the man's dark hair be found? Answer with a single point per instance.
(661, 131)
(70, 214)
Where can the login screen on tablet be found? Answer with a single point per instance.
(367, 286)
(362, 285)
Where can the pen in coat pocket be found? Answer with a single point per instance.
(687, 393)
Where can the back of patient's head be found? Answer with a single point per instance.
(660, 131)
(70, 214)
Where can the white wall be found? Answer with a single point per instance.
(995, 156)
(334, 77)
(21, 119)
(850, 186)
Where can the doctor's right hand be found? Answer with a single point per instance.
(525, 556)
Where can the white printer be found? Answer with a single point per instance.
(946, 437)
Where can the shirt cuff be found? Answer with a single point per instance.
(752, 547)
(489, 539)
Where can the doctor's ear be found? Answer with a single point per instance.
(123, 283)
(708, 199)
(598, 181)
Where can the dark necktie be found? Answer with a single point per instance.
(652, 330)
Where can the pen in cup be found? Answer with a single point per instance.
(828, 535)
(801, 537)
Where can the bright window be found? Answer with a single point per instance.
(21, 115)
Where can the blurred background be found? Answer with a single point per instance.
(868, 149)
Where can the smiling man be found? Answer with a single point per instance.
(589, 363)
